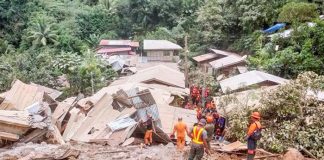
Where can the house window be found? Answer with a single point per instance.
(166, 53)
(175, 53)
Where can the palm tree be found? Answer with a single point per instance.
(42, 34)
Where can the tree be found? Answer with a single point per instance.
(97, 20)
(42, 34)
(298, 12)
(291, 114)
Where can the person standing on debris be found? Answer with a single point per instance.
(254, 134)
(199, 141)
(180, 128)
(148, 139)
(210, 128)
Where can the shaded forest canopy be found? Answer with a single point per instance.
(61, 35)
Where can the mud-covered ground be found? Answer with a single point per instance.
(83, 151)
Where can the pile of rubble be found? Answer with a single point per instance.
(31, 113)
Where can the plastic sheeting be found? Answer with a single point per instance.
(275, 28)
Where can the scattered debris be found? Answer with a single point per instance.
(293, 154)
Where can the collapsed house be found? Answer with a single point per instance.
(25, 114)
(115, 113)
(30, 112)
(120, 54)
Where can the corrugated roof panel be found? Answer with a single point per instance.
(113, 50)
(205, 57)
(226, 61)
(248, 79)
(160, 45)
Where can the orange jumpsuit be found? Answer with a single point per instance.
(180, 128)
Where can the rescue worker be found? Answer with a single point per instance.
(194, 94)
(254, 134)
(213, 104)
(199, 141)
(199, 113)
(148, 139)
(220, 124)
(188, 106)
(206, 92)
(210, 128)
(181, 129)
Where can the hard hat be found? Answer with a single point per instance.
(210, 119)
(256, 115)
(202, 122)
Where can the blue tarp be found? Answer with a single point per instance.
(275, 28)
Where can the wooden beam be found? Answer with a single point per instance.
(34, 135)
(9, 136)
(14, 122)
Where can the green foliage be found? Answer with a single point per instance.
(42, 34)
(97, 20)
(296, 54)
(91, 75)
(298, 12)
(291, 116)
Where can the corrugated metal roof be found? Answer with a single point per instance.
(242, 69)
(121, 123)
(248, 79)
(113, 50)
(51, 92)
(21, 95)
(160, 45)
(226, 61)
(205, 57)
(105, 42)
(160, 74)
(224, 53)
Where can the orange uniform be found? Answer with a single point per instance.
(254, 126)
(180, 128)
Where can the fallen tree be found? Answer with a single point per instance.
(292, 114)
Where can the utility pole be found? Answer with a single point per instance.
(186, 62)
(204, 85)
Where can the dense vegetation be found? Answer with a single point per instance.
(291, 116)
(43, 40)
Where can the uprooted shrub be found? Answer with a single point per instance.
(292, 114)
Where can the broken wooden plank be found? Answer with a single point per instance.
(308, 152)
(9, 136)
(73, 124)
(57, 135)
(33, 136)
(105, 152)
(14, 122)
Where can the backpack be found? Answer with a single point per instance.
(256, 135)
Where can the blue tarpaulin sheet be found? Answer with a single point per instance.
(275, 28)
